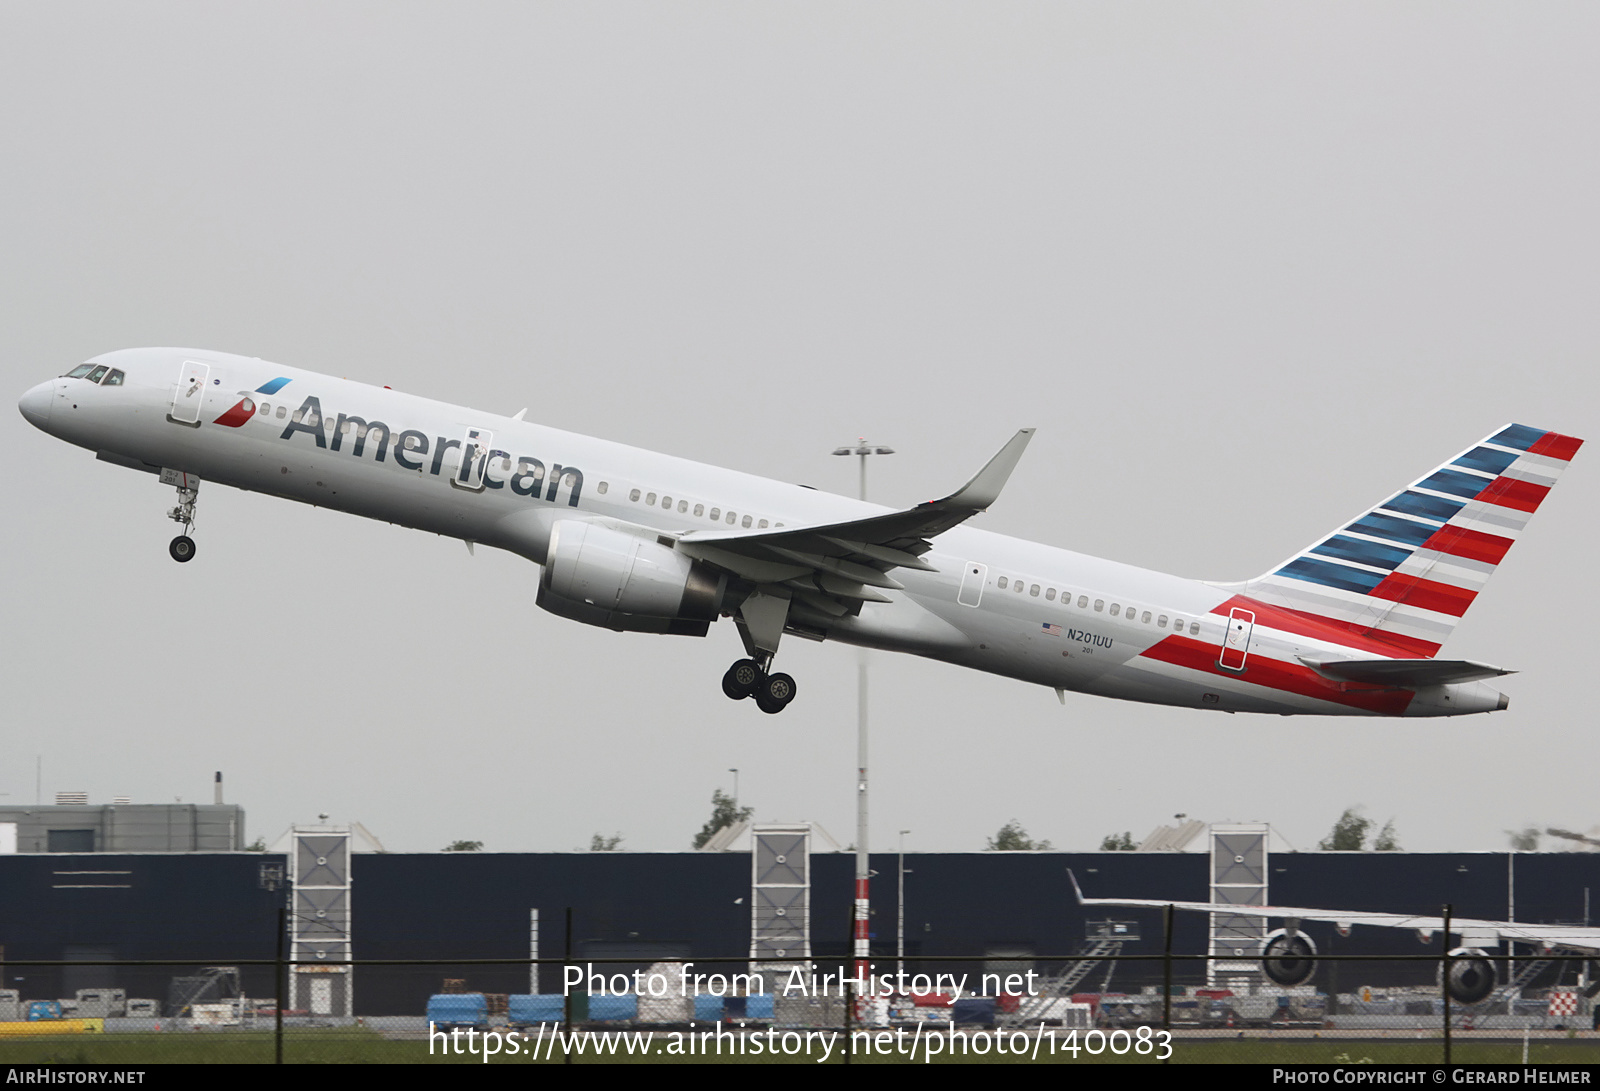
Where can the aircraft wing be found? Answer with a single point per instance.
(836, 566)
(1566, 936)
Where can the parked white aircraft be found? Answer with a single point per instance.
(1288, 956)
(643, 542)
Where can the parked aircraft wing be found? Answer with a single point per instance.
(1567, 936)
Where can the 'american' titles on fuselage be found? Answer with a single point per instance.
(529, 478)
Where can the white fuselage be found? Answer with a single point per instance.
(1034, 612)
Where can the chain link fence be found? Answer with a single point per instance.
(1087, 1006)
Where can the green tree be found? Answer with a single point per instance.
(1525, 839)
(464, 846)
(1349, 834)
(599, 843)
(1387, 840)
(725, 811)
(1118, 842)
(1013, 838)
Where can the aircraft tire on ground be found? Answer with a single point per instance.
(775, 693)
(182, 549)
(742, 679)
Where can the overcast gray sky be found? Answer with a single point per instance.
(1247, 267)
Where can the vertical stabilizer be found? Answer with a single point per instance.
(1405, 571)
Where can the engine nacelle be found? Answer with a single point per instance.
(1471, 976)
(602, 576)
(1288, 959)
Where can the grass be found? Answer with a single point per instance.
(361, 1045)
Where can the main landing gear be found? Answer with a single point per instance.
(182, 547)
(748, 678)
(760, 619)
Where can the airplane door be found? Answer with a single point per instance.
(1236, 642)
(190, 393)
(474, 460)
(972, 580)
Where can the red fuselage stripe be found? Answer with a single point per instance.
(1388, 645)
(1182, 651)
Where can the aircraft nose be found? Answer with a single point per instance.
(35, 405)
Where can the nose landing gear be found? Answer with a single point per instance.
(748, 678)
(188, 486)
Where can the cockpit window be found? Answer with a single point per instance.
(98, 373)
(114, 378)
(80, 371)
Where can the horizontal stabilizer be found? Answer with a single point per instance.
(1408, 673)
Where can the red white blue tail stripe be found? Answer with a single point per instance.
(1404, 572)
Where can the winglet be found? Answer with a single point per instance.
(1077, 890)
(983, 490)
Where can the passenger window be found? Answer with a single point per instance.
(1050, 595)
(346, 427)
(1114, 609)
(1146, 618)
(683, 506)
(1161, 622)
(603, 488)
(1016, 585)
(650, 498)
(745, 522)
(98, 373)
(1003, 583)
(361, 433)
(1194, 628)
(1083, 602)
(762, 525)
(113, 379)
(666, 502)
(699, 510)
(716, 514)
(731, 518)
(1099, 605)
(411, 441)
(634, 496)
(1034, 590)
(281, 411)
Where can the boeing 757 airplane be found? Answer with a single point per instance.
(643, 542)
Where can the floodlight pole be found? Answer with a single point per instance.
(863, 914)
(900, 927)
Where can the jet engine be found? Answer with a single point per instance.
(605, 576)
(1471, 976)
(1288, 958)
